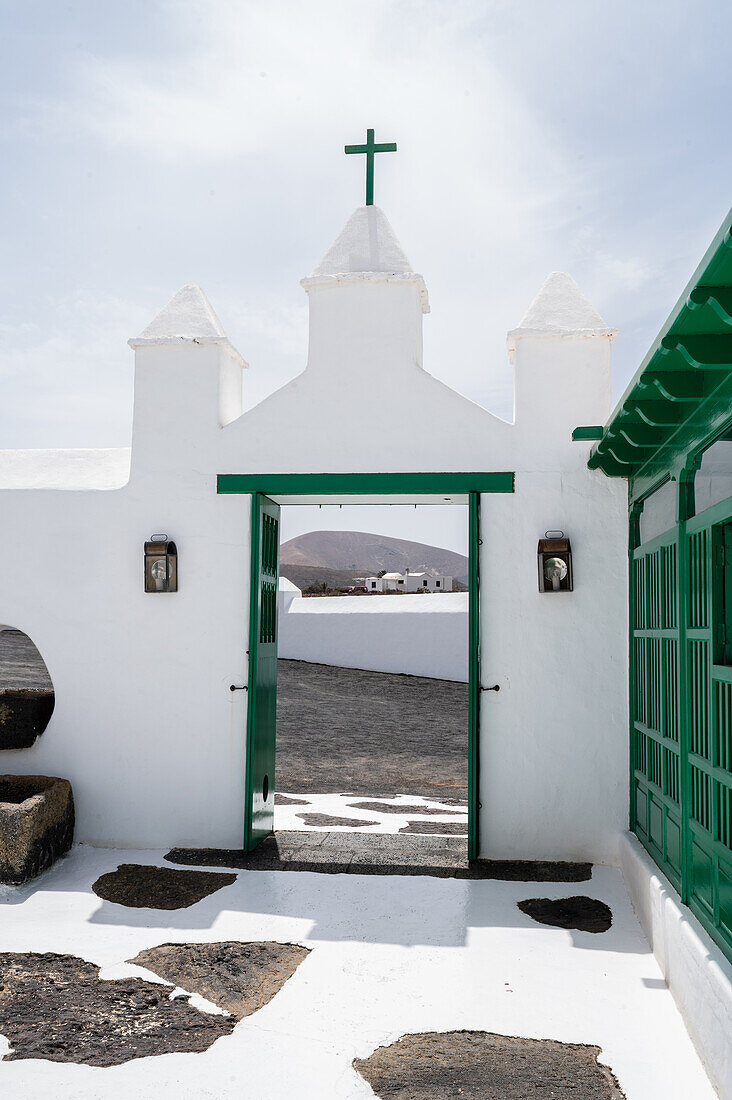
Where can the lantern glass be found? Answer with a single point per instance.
(158, 570)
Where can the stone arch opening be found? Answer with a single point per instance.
(27, 695)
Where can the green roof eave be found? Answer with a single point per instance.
(683, 387)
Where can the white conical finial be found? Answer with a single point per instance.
(366, 249)
(188, 316)
(560, 309)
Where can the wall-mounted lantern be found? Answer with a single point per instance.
(555, 563)
(161, 565)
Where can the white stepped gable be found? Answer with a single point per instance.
(560, 309)
(366, 248)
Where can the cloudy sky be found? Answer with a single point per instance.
(150, 144)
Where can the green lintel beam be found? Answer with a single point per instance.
(373, 484)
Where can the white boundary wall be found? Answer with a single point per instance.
(416, 635)
(696, 971)
(145, 725)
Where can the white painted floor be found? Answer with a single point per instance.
(389, 955)
(288, 817)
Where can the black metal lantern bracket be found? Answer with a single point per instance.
(161, 564)
(555, 562)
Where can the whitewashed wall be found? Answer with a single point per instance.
(145, 726)
(416, 635)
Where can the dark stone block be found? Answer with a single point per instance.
(329, 819)
(238, 977)
(36, 824)
(56, 1007)
(140, 886)
(478, 1065)
(425, 828)
(581, 913)
(24, 715)
(390, 808)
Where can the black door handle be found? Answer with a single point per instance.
(496, 687)
(233, 687)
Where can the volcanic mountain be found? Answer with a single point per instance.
(341, 558)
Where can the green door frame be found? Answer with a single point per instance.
(401, 484)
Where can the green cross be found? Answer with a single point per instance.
(369, 149)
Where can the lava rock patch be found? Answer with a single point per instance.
(478, 1065)
(581, 913)
(139, 886)
(287, 800)
(238, 977)
(327, 819)
(56, 1007)
(394, 808)
(435, 828)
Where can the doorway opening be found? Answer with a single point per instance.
(372, 675)
(269, 493)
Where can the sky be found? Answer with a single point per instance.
(146, 145)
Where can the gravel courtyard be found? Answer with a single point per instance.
(370, 733)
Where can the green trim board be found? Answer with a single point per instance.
(363, 484)
(683, 388)
(587, 431)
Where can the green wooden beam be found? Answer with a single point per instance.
(710, 351)
(374, 484)
(588, 431)
(641, 436)
(675, 386)
(718, 298)
(657, 414)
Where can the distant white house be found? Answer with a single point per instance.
(408, 582)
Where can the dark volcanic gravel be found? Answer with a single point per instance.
(377, 854)
(285, 800)
(21, 665)
(371, 733)
(477, 1065)
(56, 1007)
(584, 914)
(238, 977)
(142, 887)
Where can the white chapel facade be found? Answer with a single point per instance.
(146, 726)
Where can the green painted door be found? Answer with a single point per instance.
(262, 705)
(681, 710)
